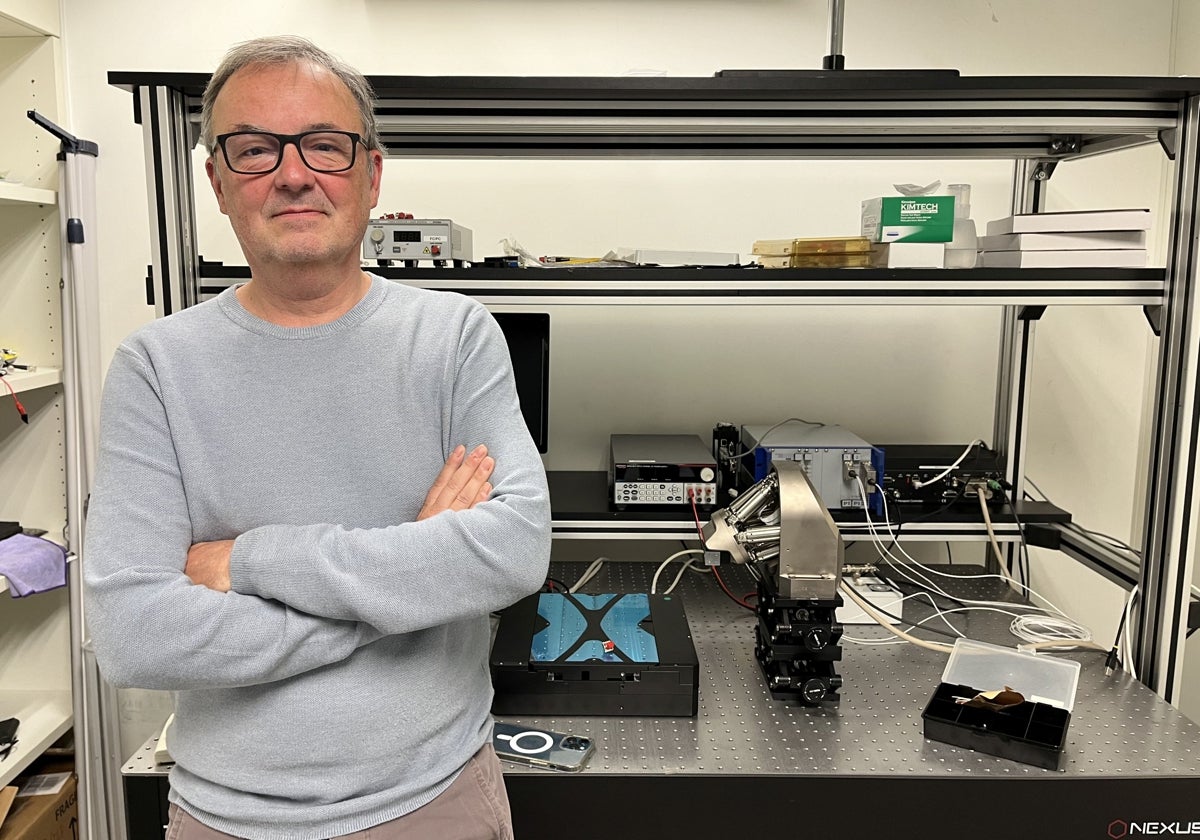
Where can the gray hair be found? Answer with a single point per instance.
(288, 49)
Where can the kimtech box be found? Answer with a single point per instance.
(899, 218)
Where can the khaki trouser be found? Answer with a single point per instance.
(474, 807)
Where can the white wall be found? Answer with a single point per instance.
(881, 385)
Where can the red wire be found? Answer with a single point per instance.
(735, 598)
(20, 408)
(696, 514)
(716, 574)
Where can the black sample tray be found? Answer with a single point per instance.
(1031, 733)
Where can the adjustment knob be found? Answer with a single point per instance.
(813, 691)
(816, 638)
(377, 234)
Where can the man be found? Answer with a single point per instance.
(311, 492)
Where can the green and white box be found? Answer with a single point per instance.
(900, 218)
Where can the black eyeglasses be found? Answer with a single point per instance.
(260, 152)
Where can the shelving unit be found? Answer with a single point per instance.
(1036, 122)
(4, 581)
(37, 685)
(35, 673)
(43, 377)
(45, 716)
(26, 18)
(11, 193)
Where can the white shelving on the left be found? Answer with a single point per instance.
(35, 632)
(35, 675)
(28, 18)
(29, 380)
(11, 193)
(4, 586)
(44, 715)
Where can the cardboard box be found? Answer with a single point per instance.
(900, 218)
(7, 795)
(812, 245)
(818, 261)
(48, 816)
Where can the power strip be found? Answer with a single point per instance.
(875, 592)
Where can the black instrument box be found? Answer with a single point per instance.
(610, 654)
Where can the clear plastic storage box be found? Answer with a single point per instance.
(1032, 732)
(1040, 678)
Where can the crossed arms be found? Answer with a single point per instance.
(169, 611)
(462, 484)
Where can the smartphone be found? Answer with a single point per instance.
(541, 748)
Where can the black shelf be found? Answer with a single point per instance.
(741, 86)
(751, 115)
(579, 499)
(1014, 286)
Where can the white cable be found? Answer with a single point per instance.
(846, 526)
(873, 642)
(885, 553)
(939, 614)
(738, 456)
(1036, 628)
(675, 581)
(588, 574)
(1048, 629)
(1080, 636)
(886, 625)
(1008, 577)
(667, 562)
(970, 448)
(987, 522)
(678, 576)
(938, 590)
(1127, 657)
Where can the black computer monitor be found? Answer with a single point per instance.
(528, 336)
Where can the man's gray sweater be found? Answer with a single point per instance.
(343, 681)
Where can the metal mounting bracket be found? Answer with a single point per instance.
(1154, 317)
(1168, 138)
(1043, 170)
(1063, 146)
